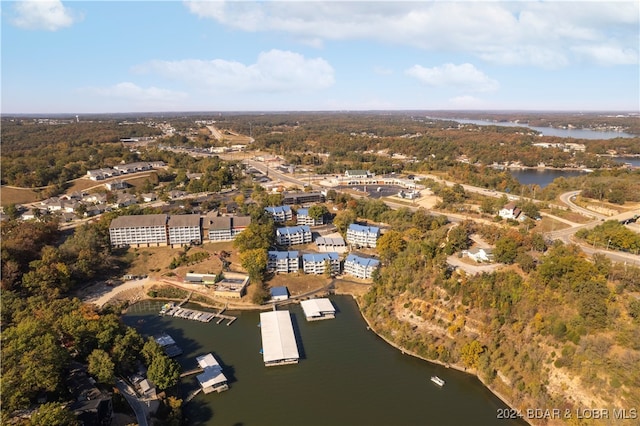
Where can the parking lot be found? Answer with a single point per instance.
(372, 191)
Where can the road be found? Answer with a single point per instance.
(138, 407)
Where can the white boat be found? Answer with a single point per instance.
(437, 380)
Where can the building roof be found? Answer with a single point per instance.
(137, 221)
(357, 172)
(293, 229)
(317, 307)
(362, 261)
(222, 222)
(164, 340)
(368, 229)
(278, 255)
(278, 339)
(303, 212)
(278, 209)
(330, 241)
(510, 206)
(241, 221)
(319, 257)
(184, 220)
(279, 291)
(212, 374)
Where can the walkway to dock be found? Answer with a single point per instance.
(192, 395)
(192, 372)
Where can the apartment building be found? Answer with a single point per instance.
(292, 235)
(225, 228)
(184, 229)
(363, 236)
(283, 262)
(139, 230)
(280, 214)
(303, 218)
(360, 267)
(316, 263)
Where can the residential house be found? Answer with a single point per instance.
(480, 254)
(510, 211)
(116, 184)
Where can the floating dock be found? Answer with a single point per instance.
(318, 309)
(177, 311)
(279, 345)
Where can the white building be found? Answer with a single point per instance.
(226, 228)
(363, 236)
(184, 229)
(139, 230)
(510, 211)
(303, 218)
(480, 254)
(336, 244)
(360, 267)
(316, 263)
(318, 309)
(280, 214)
(290, 236)
(283, 261)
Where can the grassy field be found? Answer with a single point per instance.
(18, 195)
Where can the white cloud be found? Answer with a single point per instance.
(463, 77)
(273, 71)
(132, 92)
(543, 34)
(604, 54)
(49, 15)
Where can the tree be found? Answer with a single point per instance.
(343, 219)
(470, 353)
(389, 245)
(254, 261)
(163, 371)
(506, 250)
(12, 211)
(318, 211)
(53, 414)
(101, 366)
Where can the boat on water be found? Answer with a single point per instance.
(437, 380)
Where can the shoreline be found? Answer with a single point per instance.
(369, 327)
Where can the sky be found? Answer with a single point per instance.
(159, 56)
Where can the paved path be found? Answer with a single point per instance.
(138, 407)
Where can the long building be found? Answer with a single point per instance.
(184, 229)
(316, 263)
(279, 345)
(139, 230)
(283, 262)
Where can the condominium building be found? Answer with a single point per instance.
(336, 244)
(225, 228)
(360, 267)
(292, 235)
(316, 263)
(139, 230)
(184, 229)
(303, 218)
(283, 261)
(291, 198)
(280, 214)
(363, 236)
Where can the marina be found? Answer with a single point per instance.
(337, 361)
(177, 311)
(318, 309)
(279, 345)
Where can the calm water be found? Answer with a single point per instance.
(541, 177)
(552, 131)
(348, 376)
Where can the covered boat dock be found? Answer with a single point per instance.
(279, 345)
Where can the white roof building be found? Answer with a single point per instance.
(278, 340)
(318, 309)
(211, 378)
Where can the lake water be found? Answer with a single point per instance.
(347, 376)
(550, 131)
(541, 177)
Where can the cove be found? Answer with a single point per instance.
(347, 375)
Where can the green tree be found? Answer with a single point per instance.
(101, 366)
(255, 263)
(506, 250)
(389, 245)
(163, 371)
(53, 414)
(343, 219)
(318, 211)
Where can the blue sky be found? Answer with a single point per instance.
(147, 56)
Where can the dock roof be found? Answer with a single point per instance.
(278, 339)
(212, 374)
(317, 307)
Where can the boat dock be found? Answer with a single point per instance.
(173, 310)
